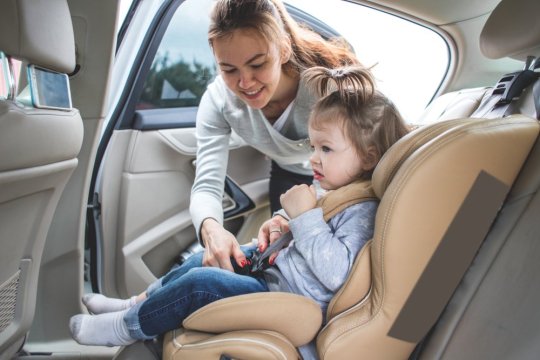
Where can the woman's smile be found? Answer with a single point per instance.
(250, 67)
(252, 94)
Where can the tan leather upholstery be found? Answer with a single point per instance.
(252, 345)
(453, 105)
(512, 30)
(282, 314)
(39, 153)
(288, 321)
(422, 181)
(39, 32)
(34, 137)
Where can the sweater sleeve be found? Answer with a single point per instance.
(213, 132)
(329, 249)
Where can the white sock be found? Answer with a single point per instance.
(100, 304)
(107, 329)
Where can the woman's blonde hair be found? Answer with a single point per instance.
(272, 22)
(348, 96)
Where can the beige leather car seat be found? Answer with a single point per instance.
(422, 182)
(38, 150)
(453, 105)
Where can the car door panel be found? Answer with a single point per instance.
(155, 119)
(145, 193)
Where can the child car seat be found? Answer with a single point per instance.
(423, 182)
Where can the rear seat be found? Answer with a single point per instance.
(453, 105)
(493, 313)
(486, 101)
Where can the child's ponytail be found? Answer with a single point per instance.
(348, 95)
(351, 84)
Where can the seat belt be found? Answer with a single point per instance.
(332, 203)
(500, 101)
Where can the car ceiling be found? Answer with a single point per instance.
(438, 12)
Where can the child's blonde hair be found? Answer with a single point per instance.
(348, 96)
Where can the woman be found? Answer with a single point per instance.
(260, 52)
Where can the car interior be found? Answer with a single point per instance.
(39, 154)
(95, 198)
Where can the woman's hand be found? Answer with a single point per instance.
(269, 232)
(219, 246)
(299, 199)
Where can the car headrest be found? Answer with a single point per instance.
(512, 30)
(400, 151)
(39, 32)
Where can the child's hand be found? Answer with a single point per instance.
(299, 199)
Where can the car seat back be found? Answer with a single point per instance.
(39, 149)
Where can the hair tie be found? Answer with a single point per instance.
(337, 73)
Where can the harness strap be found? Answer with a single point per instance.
(332, 203)
(338, 200)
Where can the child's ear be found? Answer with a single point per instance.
(370, 159)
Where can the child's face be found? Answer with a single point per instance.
(335, 161)
(250, 67)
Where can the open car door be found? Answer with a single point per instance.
(141, 187)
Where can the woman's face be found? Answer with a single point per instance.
(250, 66)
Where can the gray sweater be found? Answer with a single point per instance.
(221, 112)
(318, 261)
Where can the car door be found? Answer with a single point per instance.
(139, 213)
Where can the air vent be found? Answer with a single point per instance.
(8, 301)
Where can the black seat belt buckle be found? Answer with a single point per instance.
(258, 261)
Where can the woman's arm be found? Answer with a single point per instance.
(213, 134)
(206, 209)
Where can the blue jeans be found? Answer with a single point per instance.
(182, 291)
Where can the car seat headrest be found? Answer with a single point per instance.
(401, 150)
(512, 30)
(39, 32)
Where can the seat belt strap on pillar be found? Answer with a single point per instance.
(499, 102)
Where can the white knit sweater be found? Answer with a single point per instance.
(221, 112)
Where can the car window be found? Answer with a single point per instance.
(409, 61)
(184, 64)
